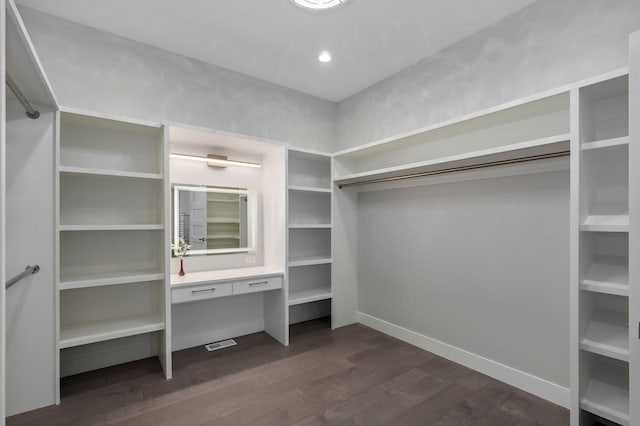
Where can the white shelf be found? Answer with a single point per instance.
(607, 334)
(607, 393)
(606, 143)
(105, 279)
(609, 275)
(223, 237)
(103, 172)
(308, 189)
(319, 260)
(143, 227)
(223, 220)
(542, 146)
(310, 226)
(308, 296)
(223, 200)
(606, 223)
(99, 331)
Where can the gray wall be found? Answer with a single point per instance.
(547, 45)
(94, 70)
(480, 265)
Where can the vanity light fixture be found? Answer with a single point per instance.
(215, 160)
(318, 4)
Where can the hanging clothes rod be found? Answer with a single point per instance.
(29, 270)
(460, 169)
(31, 113)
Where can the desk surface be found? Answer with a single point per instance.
(193, 278)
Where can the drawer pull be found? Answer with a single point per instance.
(207, 290)
(260, 283)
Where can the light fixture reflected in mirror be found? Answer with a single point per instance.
(215, 160)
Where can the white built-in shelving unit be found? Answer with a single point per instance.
(309, 229)
(111, 234)
(600, 238)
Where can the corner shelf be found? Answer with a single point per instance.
(607, 334)
(99, 331)
(308, 296)
(87, 280)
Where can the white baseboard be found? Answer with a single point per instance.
(519, 379)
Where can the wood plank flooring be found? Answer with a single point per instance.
(352, 375)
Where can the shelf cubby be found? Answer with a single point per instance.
(97, 143)
(309, 246)
(309, 208)
(107, 200)
(105, 253)
(605, 390)
(310, 283)
(605, 325)
(605, 263)
(605, 190)
(604, 111)
(309, 172)
(90, 315)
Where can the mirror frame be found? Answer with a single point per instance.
(252, 207)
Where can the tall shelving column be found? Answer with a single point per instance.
(600, 145)
(111, 239)
(309, 233)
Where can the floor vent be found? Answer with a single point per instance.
(220, 345)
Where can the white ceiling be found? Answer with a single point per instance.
(276, 41)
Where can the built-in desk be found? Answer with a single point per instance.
(196, 286)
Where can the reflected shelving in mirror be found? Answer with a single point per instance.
(214, 220)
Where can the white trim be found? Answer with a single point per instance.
(529, 383)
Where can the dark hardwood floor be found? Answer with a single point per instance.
(352, 375)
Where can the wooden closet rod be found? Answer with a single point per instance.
(461, 168)
(31, 113)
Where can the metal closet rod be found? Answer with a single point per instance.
(29, 270)
(30, 111)
(461, 168)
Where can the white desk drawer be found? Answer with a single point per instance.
(259, 284)
(201, 292)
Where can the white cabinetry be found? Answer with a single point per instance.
(600, 278)
(309, 231)
(111, 237)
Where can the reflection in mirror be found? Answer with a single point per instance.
(214, 220)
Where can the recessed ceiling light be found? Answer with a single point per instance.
(318, 4)
(324, 56)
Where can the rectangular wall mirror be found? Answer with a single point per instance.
(214, 220)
